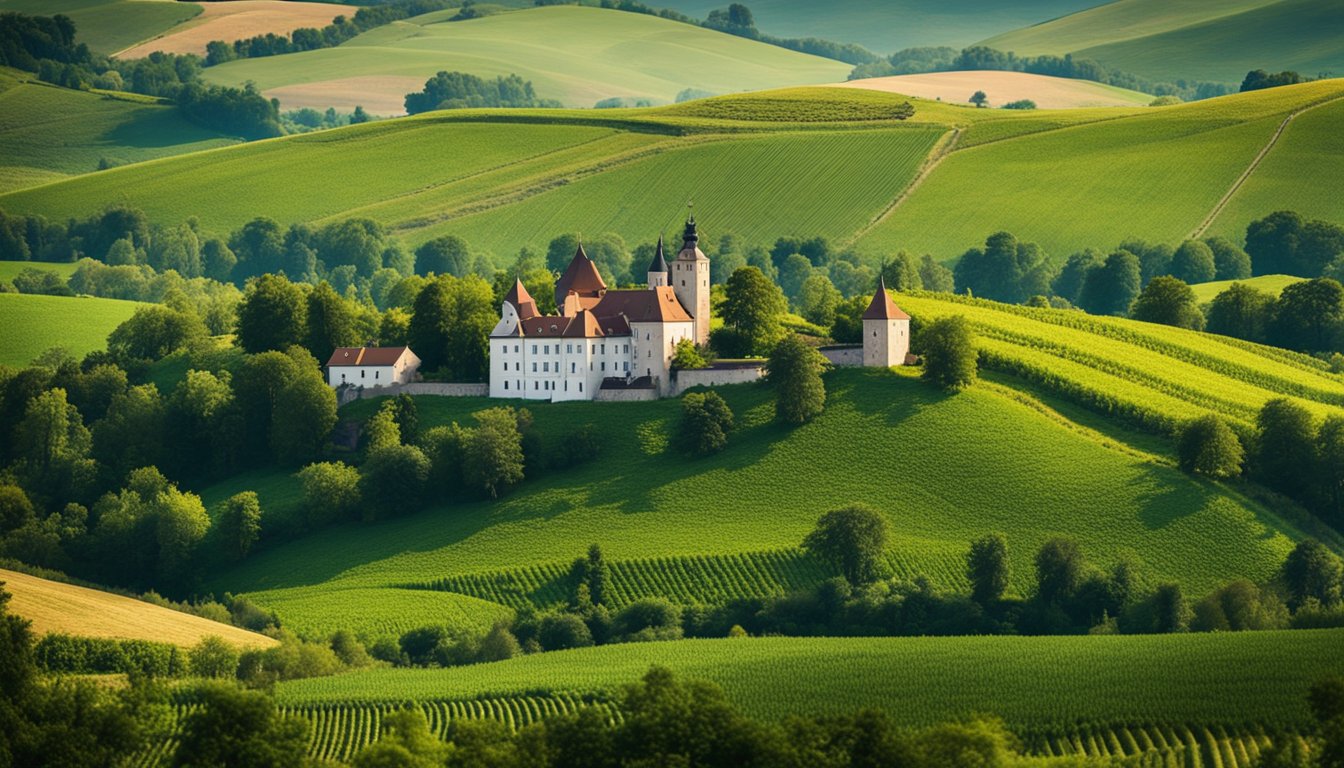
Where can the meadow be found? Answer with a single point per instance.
(1272, 284)
(1006, 87)
(53, 606)
(48, 133)
(108, 26)
(644, 503)
(34, 324)
(575, 55)
(236, 20)
(8, 269)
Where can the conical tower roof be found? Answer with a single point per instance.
(659, 263)
(580, 277)
(882, 307)
(521, 300)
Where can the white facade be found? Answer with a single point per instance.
(886, 331)
(372, 366)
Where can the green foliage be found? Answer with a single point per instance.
(1168, 301)
(271, 315)
(705, 423)
(239, 523)
(948, 346)
(450, 326)
(1242, 312)
(235, 727)
(1312, 572)
(752, 309)
(1059, 570)
(794, 370)
(1208, 446)
(687, 356)
(987, 567)
(852, 540)
(493, 458)
(392, 482)
(405, 741)
(213, 657)
(61, 653)
(1239, 606)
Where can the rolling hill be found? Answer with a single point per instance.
(576, 55)
(48, 133)
(1273, 284)
(230, 20)
(108, 26)
(1006, 87)
(53, 606)
(35, 324)
(1192, 39)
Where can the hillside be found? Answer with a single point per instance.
(576, 55)
(888, 25)
(885, 440)
(1194, 40)
(34, 324)
(53, 606)
(8, 269)
(801, 161)
(1272, 284)
(230, 20)
(1004, 88)
(108, 26)
(48, 133)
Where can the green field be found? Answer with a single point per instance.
(905, 451)
(576, 55)
(34, 324)
(48, 133)
(1194, 40)
(1273, 284)
(108, 26)
(8, 269)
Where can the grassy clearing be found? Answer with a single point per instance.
(1207, 679)
(34, 324)
(944, 469)
(107, 26)
(1205, 292)
(48, 132)
(56, 607)
(573, 54)
(8, 269)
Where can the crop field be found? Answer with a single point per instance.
(1031, 682)
(52, 606)
(1006, 87)
(1272, 284)
(1306, 159)
(107, 26)
(575, 55)
(236, 20)
(34, 324)
(47, 132)
(8, 269)
(644, 503)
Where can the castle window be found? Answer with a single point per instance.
(627, 365)
(375, 374)
(515, 349)
(362, 374)
(517, 366)
(604, 348)
(604, 365)
(534, 367)
(534, 349)
(569, 348)
(546, 350)
(546, 367)
(627, 349)
(580, 386)
(683, 283)
(506, 385)
(573, 368)
(647, 336)
(506, 366)
(566, 386)
(874, 334)
(536, 386)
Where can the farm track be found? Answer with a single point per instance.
(945, 147)
(1250, 169)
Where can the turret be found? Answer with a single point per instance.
(658, 276)
(690, 280)
(886, 331)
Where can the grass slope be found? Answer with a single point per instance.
(237, 20)
(1029, 681)
(1273, 284)
(1006, 87)
(107, 26)
(47, 132)
(577, 55)
(34, 324)
(8, 269)
(56, 607)
(943, 468)
(1194, 40)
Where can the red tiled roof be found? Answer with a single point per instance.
(646, 305)
(521, 300)
(351, 356)
(584, 325)
(580, 277)
(883, 308)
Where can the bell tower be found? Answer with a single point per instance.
(690, 280)
(658, 267)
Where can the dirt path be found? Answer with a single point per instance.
(946, 146)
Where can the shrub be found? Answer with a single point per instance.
(1208, 446)
(213, 657)
(948, 348)
(1312, 574)
(1238, 606)
(648, 619)
(705, 423)
(393, 481)
(330, 492)
(559, 631)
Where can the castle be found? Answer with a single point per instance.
(625, 339)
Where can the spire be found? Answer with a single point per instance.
(690, 238)
(659, 263)
(580, 277)
(521, 300)
(882, 307)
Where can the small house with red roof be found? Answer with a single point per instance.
(371, 366)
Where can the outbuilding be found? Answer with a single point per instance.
(371, 366)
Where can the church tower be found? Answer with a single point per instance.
(886, 331)
(690, 280)
(658, 267)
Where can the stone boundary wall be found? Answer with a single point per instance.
(843, 356)
(625, 395)
(435, 388)
(715, 377)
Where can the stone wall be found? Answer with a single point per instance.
(843, 355)
(435, 388)
(715, 377)
(626, 395)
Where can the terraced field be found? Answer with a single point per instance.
(49, 133)
(575, 55)
(34, 324)
(107, 26)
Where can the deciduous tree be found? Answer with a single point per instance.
(794, 369)
(853, 540)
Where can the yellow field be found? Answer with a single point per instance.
(55, 607)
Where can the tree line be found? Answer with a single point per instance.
(460, 90)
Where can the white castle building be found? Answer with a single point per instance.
(625, 339)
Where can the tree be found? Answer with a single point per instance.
(848, 325)
(794, 369)
(561, 631)
(240, 523)
(1309, 316)
(154, 332)
(1194, 262)
(934, 276)
(330, 492)
(1285, 455)
(392, 481)
(404, 413)
(234, 727)
(754, 307)
(1239, 606)
(979, 99)
(1068, 283)
(1168, 301)
(1059, 570)
(330, 323)
(950, 357)
(1003, 270)
(131, 435)
(1110, 288)
(51, 448)
(852, 540)
(1312, 573)
(1171, 613)
(381, 430)
(450, 326)
(493, 458)
(213, 657)
(448, 255)
(1286, 243)
(987, 568)
(271, 315)
(818, 300)
(1330, 452)
(1229, 260)
(1208, 446)
(405, 742)
(304, 413)
(15, 508)
(1242, 312)
(687, 356)
(705, 423)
